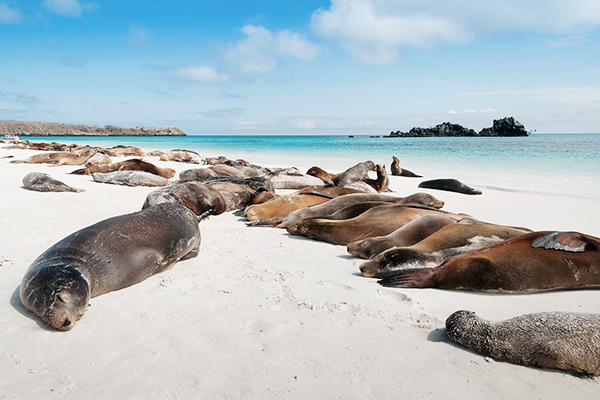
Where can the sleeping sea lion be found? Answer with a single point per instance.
(42, 182)
(534, 262)
(130, 178)
(202, 199)
(184, 156)
(568, 341)
(110, 255)
(284, 204)
(197, 174)
(450, 185)
(135, 164)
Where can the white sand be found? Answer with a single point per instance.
(260, 314)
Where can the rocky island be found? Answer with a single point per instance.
(506, 127)
(21, 128)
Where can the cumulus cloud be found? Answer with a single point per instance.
(376, 30)
(9, 15)
(201, 74)
(70, 8)
(260, 51)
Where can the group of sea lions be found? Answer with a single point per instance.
(407, 241)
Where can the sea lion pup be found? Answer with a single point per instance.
(197, 174)
(381, 184)
(202, 199)
(534, 262)
(226, 170)
(122, 151)
(377, 221)
(135, 164)
(323, 175)
(286, 179)
(110, 255)
(130, 178)
(284, 204)
(356, 173)
(409, 234)
(397, 171)
(328, 208)
(568, 341)
(466, 235)
(184, 156)
(60, 157)
(41, 182)
(450, 185)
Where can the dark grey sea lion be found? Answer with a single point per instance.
(450, 185)
(130, 178)
(42, 182)
(560, 340)
(253, 182)
(202, 199)
(356, 173)
(397, 171)
(110, 255)
(525, 264)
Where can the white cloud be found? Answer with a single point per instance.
(573, 94)
(9, 15)
(70, 8)
(260, 50)
(201, 74)
(375, 30)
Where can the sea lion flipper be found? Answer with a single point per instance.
(564, 241)
(418, 278)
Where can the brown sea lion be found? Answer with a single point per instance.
(377, 221)
(283, 204)
(134, 164)
(397, 171)
(42, 182)
(236, 195)
(202, 199)
(184, 156)
(409, 234)
(450, 185)
(98, 158)
(197, 174)
(381, 184)
(125, 151)
(567, 341)
(130, 178)
(253, 182)
(226, 170)
(110, 255)
(356, 173)
(534, 262)
(466, 235)
(320, 173)
(328, 208)
(292, 179)
(60, 157)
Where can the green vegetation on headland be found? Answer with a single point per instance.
(21, 128)
(502, 127)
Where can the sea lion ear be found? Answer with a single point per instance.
(565, 241)
(63, 297)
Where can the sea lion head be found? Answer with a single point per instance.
(463, 325)
(59, 296)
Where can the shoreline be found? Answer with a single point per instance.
(262, 314)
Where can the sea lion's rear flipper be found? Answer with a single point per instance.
(564, 241)
(420, 278)
(191, 254)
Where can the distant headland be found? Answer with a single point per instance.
(502, 127)
(21, 128)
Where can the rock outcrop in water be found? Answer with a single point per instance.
(502, 127)
(21, 128)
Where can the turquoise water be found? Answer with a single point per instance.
(567, 164)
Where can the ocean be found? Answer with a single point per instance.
(563, 164)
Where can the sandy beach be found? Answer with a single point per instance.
(261, 314)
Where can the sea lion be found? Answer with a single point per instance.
(356, 173)
(135, 164)
(130, 178)
(197, 174)
(110, 255)
(326, 209)
(41, 182)
(123, 151)
(382, 182)
(534, 262)
(465, 235)
(407, 235)
(236, 195)
(377, 221)
(253, 182)
(184, 156)
(226, 170)
(60, 157)
(98, 158)
(202, 199)
(247, 171)
(567, 341)
(286, 179)
(397, 171)
(450, 185)
(283, 204)
(320, 173)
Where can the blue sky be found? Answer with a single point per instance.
(302, 66)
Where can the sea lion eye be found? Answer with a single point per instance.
(63, 297)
